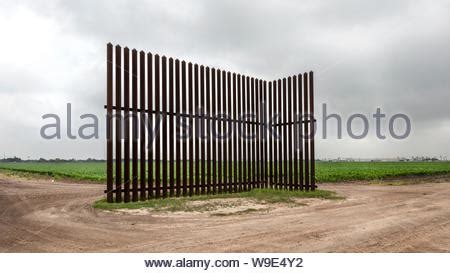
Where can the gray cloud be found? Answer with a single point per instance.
(388, 54)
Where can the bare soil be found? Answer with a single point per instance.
(38, 215)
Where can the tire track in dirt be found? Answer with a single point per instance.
(44, 216)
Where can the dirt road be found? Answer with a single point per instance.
(41, 216)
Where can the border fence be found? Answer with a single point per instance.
(175, 128)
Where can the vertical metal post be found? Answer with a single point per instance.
(248, 139)
(134, 95)
(197, 132)
(202, 130)
(142, 124)
(229, 132)
(295, 130)
(280, 136)
(177, 125)
(150, 123)
(312, 131)
(164, 125)
(109, 131)
(126, 116)
(213, 114)
(219, 131)
(185, 142)
(224, 187)
(289, 122)
(118, 114)
(300, 130)
(171, 131)
(254, 126)
(208, 131)
(157, 129)
(306, 129)
(192, 133)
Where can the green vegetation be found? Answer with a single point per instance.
(259, 196)
(325, 171)
(348, 171)
(94, 171)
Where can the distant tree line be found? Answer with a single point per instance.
(399, 159)
(18, 159)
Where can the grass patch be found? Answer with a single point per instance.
(410, 180)
(31, 174)
(259, 196)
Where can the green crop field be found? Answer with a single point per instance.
(325, 171)
(95, 171)
(344, 171)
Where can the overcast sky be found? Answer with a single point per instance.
(366, 54)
